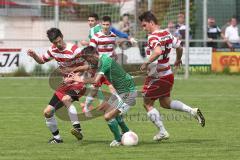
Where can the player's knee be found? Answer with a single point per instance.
(48, 112)
(164, 104)
(147, 107)
(66, 99)
(107, 117)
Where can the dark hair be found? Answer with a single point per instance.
(148, 17)
(89, 50)
(106, 19)
(94, 15)
(53, 33)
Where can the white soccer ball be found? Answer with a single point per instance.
(129, 139)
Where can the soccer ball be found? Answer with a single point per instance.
(129, 139)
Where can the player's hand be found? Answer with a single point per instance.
(31, 53)
(114, 56)
(84, 43)
(133, 40)
(144, 66)
(75, 77)
(177, 65)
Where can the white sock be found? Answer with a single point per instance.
(72, 113)
(88, 102)
(57, 137)
(52, 125)
(156, 119)
(179, 106)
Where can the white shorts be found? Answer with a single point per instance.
(124, 101)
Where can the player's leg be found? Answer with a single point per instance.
(109, 116)
(51, 122)
(151, 92)
(130, 99)
(119, 118)
(122, 124)
(95, 90)
(73, 115)
(156, 118)
(119, 105)
(89, 99)
(166, 102)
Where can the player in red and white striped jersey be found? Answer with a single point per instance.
(105, 40)
(66, 55)
(160, 79)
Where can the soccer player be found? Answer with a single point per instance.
(105, 42)
(119, 102)
(160, 79)
(66, 55)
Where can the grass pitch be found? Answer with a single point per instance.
(23, 134)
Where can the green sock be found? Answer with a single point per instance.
(100, 95)
(122, 124)
(113, 125)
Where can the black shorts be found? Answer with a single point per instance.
(57, 103)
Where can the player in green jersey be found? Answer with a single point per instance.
(118, 103)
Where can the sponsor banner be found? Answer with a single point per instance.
(197, 56)
(226, 60)
(13, 58)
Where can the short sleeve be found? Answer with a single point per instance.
(153, 42)
(94, 41)
(105, 65)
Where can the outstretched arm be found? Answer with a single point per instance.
(35, 56)
(119, 33)
(66, 70)
(76, 78)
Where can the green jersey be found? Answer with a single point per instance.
(116, 75)
(94, 30)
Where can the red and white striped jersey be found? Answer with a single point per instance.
(69, 57)
(166, 41)
(105, 44)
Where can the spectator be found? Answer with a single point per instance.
(180, 26)
(223, 29)
(213, 32)
(171, 28)
(232, 35)
(124, 24)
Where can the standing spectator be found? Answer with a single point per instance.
(180, 26)
(213, 32)
(232, 35)
(124, 24)
(223, 29)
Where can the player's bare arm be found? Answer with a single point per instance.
(178, 61)
(156, 53)
(75, 69)
(76, 78)
(35, 56)
(84, 42)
